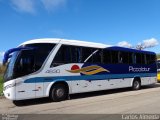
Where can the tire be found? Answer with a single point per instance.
(58, 92)
(136, 84)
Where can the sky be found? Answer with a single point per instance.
(112, 22)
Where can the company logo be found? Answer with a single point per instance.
(141, 69)
(89, 70)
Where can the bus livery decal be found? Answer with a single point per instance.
(89, 70)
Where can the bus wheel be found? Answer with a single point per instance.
(58, 92)
(136, 84)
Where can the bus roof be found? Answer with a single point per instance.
(83, 43)
(66, 42)
(128, 50)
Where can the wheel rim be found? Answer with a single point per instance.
(136, 85)
(59, 93)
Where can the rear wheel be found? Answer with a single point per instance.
(58, 92)
(136, 84)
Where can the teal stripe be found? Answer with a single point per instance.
(87, 77)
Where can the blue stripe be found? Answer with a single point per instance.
(87, 77)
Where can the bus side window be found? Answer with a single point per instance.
(125, 57)
(120, 57)
(143, 59)
(130, 58)
(134, 58)
(147, 59)
(67, 54)
(114, 57)
(152, 59)
(138, 58)
(76, 54)
(107, 57)
(97, 57)
(62, 56)
(86, 52)
(92, 55)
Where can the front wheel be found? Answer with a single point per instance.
(58, 93)
(136, 85)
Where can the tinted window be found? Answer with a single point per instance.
(67, 54)
(62, 56)
(86, 52)
(40, 53)
(123, 57)
(143, 59)
(96, 56)
(130, 58)
(76, 54)
(148, 58)
(152, 59)
(138, 58)
(107, 58)
(29, 61)
(114, 57)
(26, 63)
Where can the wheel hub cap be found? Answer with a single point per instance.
(60, 92)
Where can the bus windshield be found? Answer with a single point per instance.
(25, 62)
(9, 71)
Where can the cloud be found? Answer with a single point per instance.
(142, 45)
(147, 43)
(52, 5)
(31, 6)
(124, 44)
(150, 42)
(24, 5)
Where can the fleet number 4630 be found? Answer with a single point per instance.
(53, 71)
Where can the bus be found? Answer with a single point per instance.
(56, 68)
(158, 70)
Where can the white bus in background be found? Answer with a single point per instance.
(56, 68)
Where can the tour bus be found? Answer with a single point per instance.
(158, 70)
(56, 68)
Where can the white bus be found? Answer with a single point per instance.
(56, 68)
